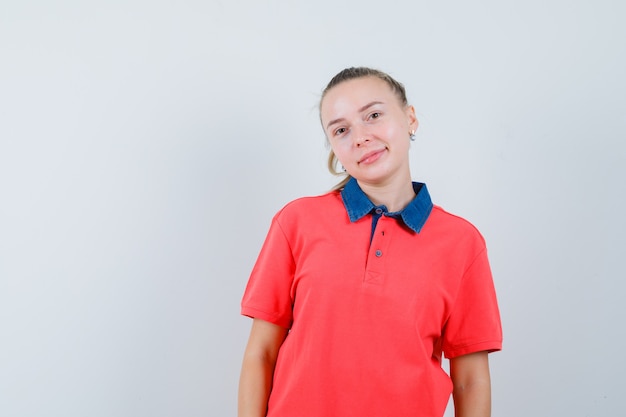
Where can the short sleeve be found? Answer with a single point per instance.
(268, 293)
(474, 324)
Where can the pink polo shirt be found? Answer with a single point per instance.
(368, 322)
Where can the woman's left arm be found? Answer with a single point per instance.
(472, 385)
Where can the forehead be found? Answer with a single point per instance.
(356, 93)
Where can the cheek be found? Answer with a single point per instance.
(397, 136)
(341, 149)
(393, 131)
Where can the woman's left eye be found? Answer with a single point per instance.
(374, 115)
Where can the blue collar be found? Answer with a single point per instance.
(414, 215)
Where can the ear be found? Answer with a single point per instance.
(412, 119)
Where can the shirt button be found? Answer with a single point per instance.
(379, 253)
(379, 211)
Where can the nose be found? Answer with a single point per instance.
(361, 141)
(360, 136)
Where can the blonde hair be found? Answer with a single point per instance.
(353, 73)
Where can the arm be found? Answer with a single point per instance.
(472, 385)
(257, 370)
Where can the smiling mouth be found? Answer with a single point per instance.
(370, 157)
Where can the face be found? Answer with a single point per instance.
(368, 130)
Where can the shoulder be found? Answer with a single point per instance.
(455, 227)
(310, 207)
(304, 204)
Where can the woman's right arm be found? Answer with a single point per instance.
(257, 370)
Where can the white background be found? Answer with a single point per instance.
(145, 145)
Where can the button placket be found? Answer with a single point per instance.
(375, 270)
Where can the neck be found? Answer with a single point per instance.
(394, 196)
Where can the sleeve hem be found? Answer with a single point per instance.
(255, 313)
(489, 346)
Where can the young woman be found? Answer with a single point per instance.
(357, 293)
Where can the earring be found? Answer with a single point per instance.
(343, 168)
(412, 135)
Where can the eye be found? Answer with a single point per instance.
(375, 115)
(339, 131)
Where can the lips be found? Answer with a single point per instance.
(370, 157)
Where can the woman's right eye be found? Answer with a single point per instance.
(340, 131)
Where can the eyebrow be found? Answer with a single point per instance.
(362, 109)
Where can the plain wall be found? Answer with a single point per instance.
(145, 146)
